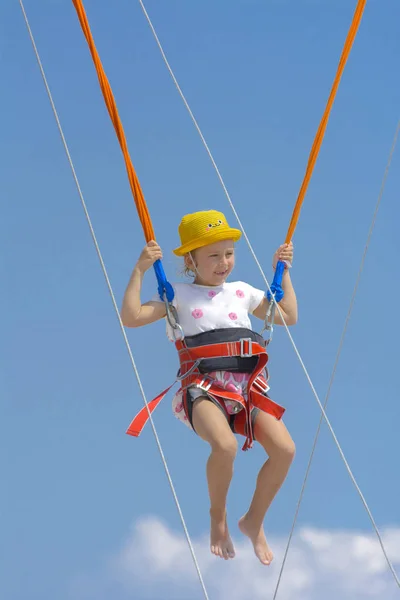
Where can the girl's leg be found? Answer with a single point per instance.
(212, 426)
(276, 440)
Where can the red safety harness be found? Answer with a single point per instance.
(190, 375)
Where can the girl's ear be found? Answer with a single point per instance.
(189, 264)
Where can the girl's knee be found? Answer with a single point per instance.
(289, 450)
(225, 444)
(285, 451)
(275, 438)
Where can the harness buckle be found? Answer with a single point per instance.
(243, 352)
(205, 384)
(262, 386)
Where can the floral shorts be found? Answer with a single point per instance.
(232, 382)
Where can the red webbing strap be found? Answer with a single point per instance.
(262, 361)
(223, 349)
(258, 399)
(138, 423)
(267, 405)
(255, 398)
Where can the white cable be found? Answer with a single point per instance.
(114, 302)
(325, 417)
(341, 341)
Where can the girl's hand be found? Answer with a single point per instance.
(150, 253)
(284, 253)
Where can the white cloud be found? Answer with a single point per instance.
(345, 565)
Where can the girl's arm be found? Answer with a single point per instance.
(288, 304)
(133, 312)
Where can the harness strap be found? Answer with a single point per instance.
(138, 423)
(258, 399)
(256, 388)
(262, 361)
(245, 348)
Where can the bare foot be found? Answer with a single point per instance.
(220, 540)
(257, 537)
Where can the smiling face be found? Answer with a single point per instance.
(217, 223)
(212, 263)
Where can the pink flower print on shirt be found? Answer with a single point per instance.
(197, 313)
(211, 294)
(240, 293)
(233, 316)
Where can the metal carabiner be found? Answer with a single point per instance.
(269, 326)
(172, 318)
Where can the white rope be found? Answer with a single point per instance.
(341, 341)
(324, 415)
(114, 303)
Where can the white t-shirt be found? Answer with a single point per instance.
(203, 308)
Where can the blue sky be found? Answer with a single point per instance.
(257, 75)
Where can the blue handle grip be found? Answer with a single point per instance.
(164, 287)
(276, 285)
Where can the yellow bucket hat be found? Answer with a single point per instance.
(202, 228)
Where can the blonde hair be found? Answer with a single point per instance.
(187, 272)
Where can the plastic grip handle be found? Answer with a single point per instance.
(164, 287)
(276, 285)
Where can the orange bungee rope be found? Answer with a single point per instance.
(277, 292)
(312, 159)
(165, 288)
(138, 196)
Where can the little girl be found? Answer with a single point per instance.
(211, 310)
